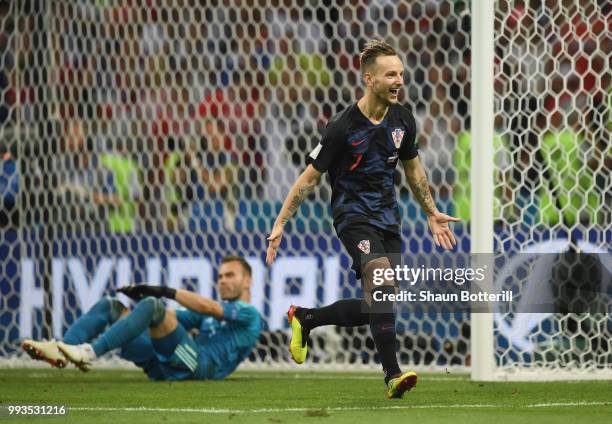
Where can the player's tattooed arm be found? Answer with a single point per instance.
(417, 179)
(420, 188)
(302, 188)
(304, 185)
(295, 201)
(438, 221)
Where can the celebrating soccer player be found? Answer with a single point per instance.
(228, 330)
(360, 150)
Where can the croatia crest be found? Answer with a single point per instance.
(397, 135)
(364, 246)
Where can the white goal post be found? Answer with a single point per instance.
(533, 25)
(483, 14)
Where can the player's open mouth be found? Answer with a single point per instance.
(394, 91)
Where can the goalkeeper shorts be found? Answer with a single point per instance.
(173, 357)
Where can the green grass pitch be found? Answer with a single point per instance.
(116, 396)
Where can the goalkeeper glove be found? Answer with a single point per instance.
(140, 291)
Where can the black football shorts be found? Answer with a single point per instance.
(365, 242)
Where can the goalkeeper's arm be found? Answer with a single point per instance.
(192, 301)
(199, 304)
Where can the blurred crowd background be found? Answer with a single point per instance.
(186, 115)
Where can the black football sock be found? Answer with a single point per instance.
(382, 326)
(345, 313)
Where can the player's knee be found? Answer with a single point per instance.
(164, 324)
(110, 305)
(378, 272)
(383, 293)
(382, 299)
(154, 308)
(115, 307)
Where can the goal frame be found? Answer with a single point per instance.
(482, 342)
(482, 331)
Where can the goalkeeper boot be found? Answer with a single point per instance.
(44, 351)
(299, 337)
(396, 387)
(80, 355)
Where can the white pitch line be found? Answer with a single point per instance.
(339, 377)
(338, 409)
(297, 376)
(553, 405)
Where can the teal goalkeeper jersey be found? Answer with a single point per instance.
(223, 344)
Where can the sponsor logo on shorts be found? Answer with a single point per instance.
(364, 246)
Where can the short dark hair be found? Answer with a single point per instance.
(372, 50)
(243, 262)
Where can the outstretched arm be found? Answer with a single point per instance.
(190, 300)
(417, 179)
(438, 222)
(200, 304)
(302, 187)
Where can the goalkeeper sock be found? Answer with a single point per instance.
(149, 312)
(106, 311)
(382, 326)
(345, 313)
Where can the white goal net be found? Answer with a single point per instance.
(143, 140)
(552, 121)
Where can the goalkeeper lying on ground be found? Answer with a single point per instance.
(228, 330)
